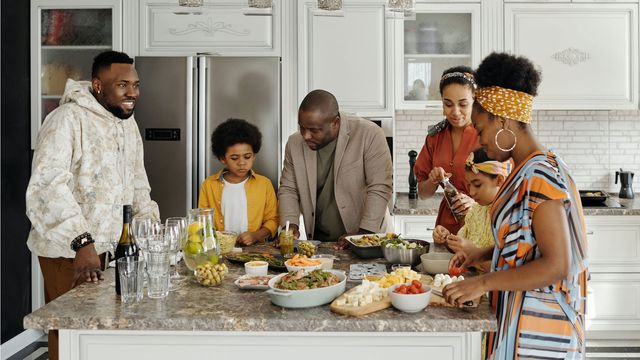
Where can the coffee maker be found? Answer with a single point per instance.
(626, 184)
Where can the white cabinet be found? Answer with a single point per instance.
(588, 53)
(65, 37)
(614, 264)
(349, 56)
(415, 226)
(439, 37)
(222, 28)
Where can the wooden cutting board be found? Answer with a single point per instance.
(359, 310)
(438, 300)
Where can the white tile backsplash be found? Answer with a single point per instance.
(593, 143)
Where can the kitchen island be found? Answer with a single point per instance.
(199, 322)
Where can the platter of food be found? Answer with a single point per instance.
(299, 289)
(276, 262)
(593, 197)
(363, 299)
(367, 246)
(252, 282)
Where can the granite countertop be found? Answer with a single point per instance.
(226, 308)
(404, 206)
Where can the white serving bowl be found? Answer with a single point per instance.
(410, 303)
(436, 262)
(306, 269)
(256, 268)
(326, 260)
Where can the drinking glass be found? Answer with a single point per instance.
(131, 269)
(158, 259)
(177, 227)
(201, 245)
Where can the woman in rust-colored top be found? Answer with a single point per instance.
(447, 146)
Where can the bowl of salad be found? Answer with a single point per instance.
(299, 289)
(404, 251)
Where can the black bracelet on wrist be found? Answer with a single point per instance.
(81, 241)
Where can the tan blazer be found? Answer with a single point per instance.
(362, 178)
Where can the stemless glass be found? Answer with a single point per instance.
(201, 245)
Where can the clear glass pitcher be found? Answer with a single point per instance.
(201, 246)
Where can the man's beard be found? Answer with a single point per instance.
(119, 113)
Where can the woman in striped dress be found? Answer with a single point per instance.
(539, 271)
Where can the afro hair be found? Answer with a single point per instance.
(510, 72)
(232, 132)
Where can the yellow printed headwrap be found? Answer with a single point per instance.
(506, 103)
(489, 167)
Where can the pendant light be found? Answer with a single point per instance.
(330, 5)
(259, 7)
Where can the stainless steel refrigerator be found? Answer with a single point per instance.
(182, 100)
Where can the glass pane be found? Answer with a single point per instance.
(60, 64)
(422, 74)
(76, 27)
(448, 33)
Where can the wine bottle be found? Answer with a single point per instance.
(126, 245)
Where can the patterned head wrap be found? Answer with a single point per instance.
(491, 167)
(466, 76)
(506, 103)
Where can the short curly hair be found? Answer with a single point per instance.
(232, 132)
(510, 72)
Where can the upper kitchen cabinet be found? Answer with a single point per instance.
(220, 27)
(65, 37)
(348, 55)
(589, 55)
(439, 37)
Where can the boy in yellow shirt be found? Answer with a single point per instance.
(244, 202)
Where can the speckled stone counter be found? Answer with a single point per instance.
(404, 206)
(226, 308)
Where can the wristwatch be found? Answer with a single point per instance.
(81, 241)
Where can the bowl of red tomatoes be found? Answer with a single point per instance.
(410, 297)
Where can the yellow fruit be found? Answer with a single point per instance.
(195, 238)
(193, 248)
(194, 228)
(213, 259)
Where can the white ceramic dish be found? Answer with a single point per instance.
(306, 298)
(305, 268)
(256, 268)
(435, 262)
(410, 303)
(326, 260)
(239, 281)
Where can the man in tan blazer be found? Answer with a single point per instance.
(337, 172)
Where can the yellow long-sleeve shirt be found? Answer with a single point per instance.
(262, 204)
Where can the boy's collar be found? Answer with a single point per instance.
(221, 172)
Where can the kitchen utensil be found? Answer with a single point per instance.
(306, 298)
(593, 197)
(409, 303)
(626, 184)
(405, 256)
(436, 262)
(359, 310)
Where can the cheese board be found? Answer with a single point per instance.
(341, 304)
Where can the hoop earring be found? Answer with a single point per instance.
(514, 140)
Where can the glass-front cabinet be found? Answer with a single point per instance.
(65, 37)
(438, 37)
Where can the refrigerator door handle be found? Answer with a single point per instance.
(190, 198)
(202, 113)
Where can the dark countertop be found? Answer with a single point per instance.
(226, 308)
(429, 207)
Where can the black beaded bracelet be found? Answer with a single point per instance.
(81, 241)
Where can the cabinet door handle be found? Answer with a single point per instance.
(430, 229)
(590, 232)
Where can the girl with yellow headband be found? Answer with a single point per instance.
(484, 176)
(538, 282)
